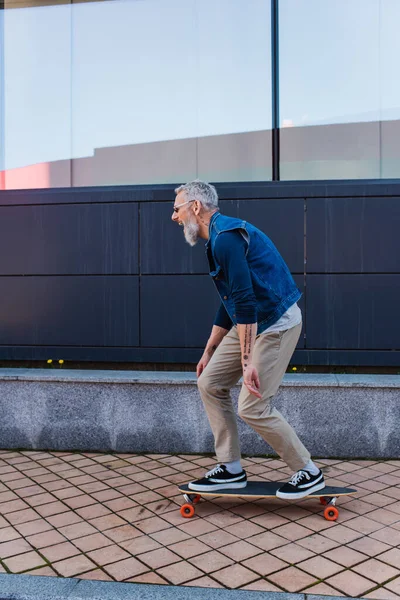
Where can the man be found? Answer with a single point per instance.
(255, 332)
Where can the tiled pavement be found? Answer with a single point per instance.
(116, 517)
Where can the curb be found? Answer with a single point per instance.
(23, 587)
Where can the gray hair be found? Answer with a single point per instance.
(201, 191)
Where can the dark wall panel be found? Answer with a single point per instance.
(353, 235)
(177, 311)
(353, 312)
(163, 248)
(282, 220)
(69, 239)
(89, 311)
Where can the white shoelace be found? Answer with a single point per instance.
(297, 477)
(215, 471)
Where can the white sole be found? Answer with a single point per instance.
(303, 494)
(219, 486)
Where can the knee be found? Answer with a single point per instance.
(253, 411)
(208, 386)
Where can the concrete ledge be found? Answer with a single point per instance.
(335, 415)
(23, 587)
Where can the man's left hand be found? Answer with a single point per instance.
(251, 380)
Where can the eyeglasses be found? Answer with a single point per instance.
(177, 207)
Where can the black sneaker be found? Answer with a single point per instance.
(301, 484)
(219, 478)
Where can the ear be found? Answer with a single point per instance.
(197, 207)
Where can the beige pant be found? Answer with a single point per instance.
(271, 356)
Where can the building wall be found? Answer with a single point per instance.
(102, 274)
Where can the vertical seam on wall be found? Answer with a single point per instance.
(305, 274)
(139, 281)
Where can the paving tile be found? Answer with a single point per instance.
(180, 573)
(394, 586)
(292, 553)
(197, 527)
(169, 536)
(93, 511)
(3, 522)
(188, 548)
(78, 501)
(42, 571)
(261, 585)
(234, 576)
(388, 535)
(291, 579)
(241, 550)
(39, 499)
(125, 569)
(268, 540)
(152, 525)
(14, 547)
(54, 508)
(140, 545)
(351, 583)
(379, 500)
(12, 506)
(364, 524)
(150, 577)
(138, 513)
(342, 534)
(8, 534)
(31, 490)
(217, 538)
(211, 561)
(223, 519)
(269, 520)
(47, 538)
(107, 555)
(107, 494)
(244, 529)
(391, 557)
(345, 556)
(320, 567)
(124, 532)
(96, 575)
(59, 551)
(384, 516)
(6, 496)
(119, 504)
(64, 519)
(318, 543)
(376, 570)
(73, 566)
(369, 546)
(77, 530)
(265, 564)
(159, 558)
(382, 594)
(292, 531)
(33, 527)
(24, 562)
(107, 522)
(323, 590)
(92, 542)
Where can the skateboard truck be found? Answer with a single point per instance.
(187, 510)
(331, 513)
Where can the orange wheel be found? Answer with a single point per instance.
(187, 511)
(331, 513)
(323, 501)
(196, 499)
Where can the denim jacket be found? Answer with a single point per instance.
(273, 284)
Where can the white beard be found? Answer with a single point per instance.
(191, 232)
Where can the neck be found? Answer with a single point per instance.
(204, 223)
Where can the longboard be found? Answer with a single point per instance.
(265, 489)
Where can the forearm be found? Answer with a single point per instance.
(216, 337)
(247, 335)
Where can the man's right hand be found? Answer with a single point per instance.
(203, 362)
